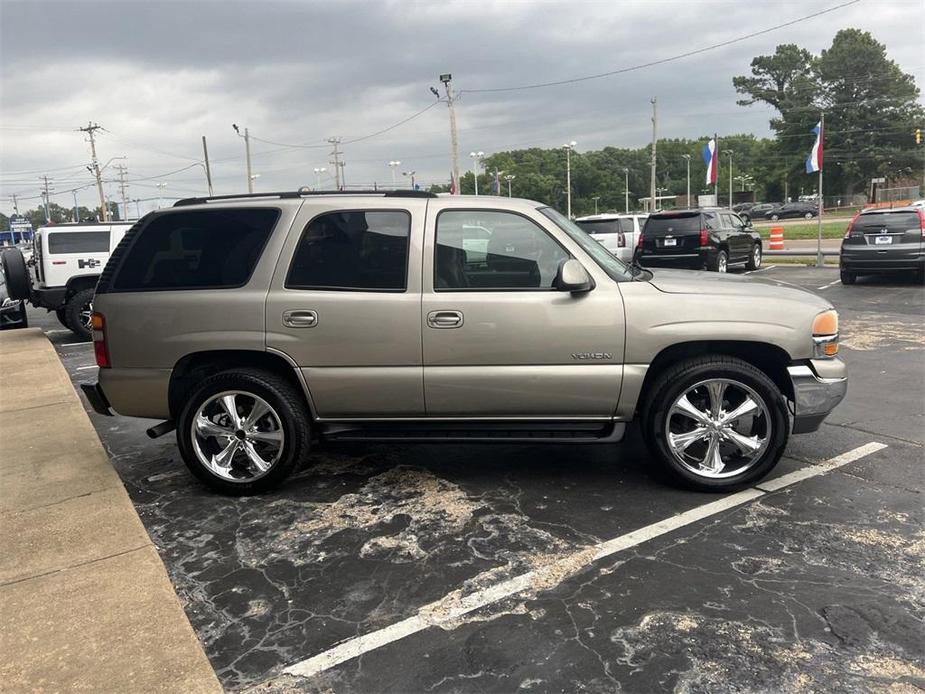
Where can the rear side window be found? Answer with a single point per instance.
(680, 224)
(198, 249)
(355, 250)
(605, 226)
(891, 221)
(78, 242)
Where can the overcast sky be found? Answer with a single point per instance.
(159, 75)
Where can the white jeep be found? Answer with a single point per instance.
(66, 263)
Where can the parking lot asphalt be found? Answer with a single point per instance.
(566, 568)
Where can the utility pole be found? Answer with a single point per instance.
(95, 166)
(247, 154)
(820, 261)
(45, 197)
(76, 210)
(338, 164)
(652, 192)
(454, 140)
(205, 154)
(687, 158)
(15, 205)
(123, 188)
(626, 190)
(568, 147)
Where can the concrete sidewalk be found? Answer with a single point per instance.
(85, 601)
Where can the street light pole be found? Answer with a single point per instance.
(476, 160)
(160, 192)
(410, 174)
(393, 165)
(318, 171)
(687, 158)
(596, 198)
(626, 190)
(509, 178)
(568, 147)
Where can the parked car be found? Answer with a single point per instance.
(60, 276)
(12, 312)
(743, 207)
(758, 211)
(618, 233)
(699, 239)
(807, 210)
(884, 240)
(258, 325)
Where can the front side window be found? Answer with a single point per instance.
(196, 249)
(78, 242)
(353, 250)
(490, 250)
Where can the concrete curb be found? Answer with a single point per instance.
(85, 599)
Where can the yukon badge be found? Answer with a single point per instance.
(582, 356)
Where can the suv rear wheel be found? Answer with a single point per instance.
(848, 277)
(243, 432)
(754, 258)
(77, 313)
(720, 262)
(716, 423)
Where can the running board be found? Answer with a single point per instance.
(476, 432)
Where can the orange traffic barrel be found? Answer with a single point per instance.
(777, 239)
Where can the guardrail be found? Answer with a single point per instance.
(807, 253)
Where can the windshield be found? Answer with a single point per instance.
(616, 269)
(676, 224)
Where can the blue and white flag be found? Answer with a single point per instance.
(814, 160)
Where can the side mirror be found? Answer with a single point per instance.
(748, 223)
(572, 277)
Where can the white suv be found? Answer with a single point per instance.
(616, 232)
(61, 275)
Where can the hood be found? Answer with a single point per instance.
(723, 284)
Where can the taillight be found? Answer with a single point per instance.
(640, 240)
(921, 220)
(621, 240)
(851, 225)
(704, 237)
(100, 348)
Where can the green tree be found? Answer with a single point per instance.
(870, 105)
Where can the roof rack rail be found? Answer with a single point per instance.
(304, 194)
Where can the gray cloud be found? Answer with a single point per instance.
(158, 75)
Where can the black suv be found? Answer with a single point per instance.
(697, 239)
(807, 210)
(880, 241)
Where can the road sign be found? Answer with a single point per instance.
(878, 180)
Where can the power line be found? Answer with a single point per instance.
(662, 61)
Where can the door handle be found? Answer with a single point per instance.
(300, 319)
(445, 319)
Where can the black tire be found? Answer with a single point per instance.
(754, 258)
(720, 263)
(281, 395)
(75, 311)
(15, 320)
(848, 277)
(681, 377)
(62, 316)
(18, 282)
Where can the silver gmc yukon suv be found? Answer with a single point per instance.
(259, 326)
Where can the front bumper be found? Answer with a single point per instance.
(815, 396)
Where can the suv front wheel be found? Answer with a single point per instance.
(243, 432)
(716, 423)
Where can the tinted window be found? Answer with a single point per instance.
(353, 250)
(78, 242)
(893, 221)
(605, 226)
(494, 250)
(679, 224)
(196, 249)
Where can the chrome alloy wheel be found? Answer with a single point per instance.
(722, 264)
(237, 436)
(718, 428)
(85, 314)
(756, 256)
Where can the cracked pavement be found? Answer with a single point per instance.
(818, 586)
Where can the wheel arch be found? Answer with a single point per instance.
(78, 283)
(767, 357)
(196, 366)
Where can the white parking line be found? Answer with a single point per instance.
(761, 269)
(82, 368)
(77, 344)
(830, 284)
(452, 607)
(55, 332)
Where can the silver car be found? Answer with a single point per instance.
(257, 326)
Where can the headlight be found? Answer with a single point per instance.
(825, 335)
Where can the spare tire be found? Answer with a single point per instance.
(18, 282)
